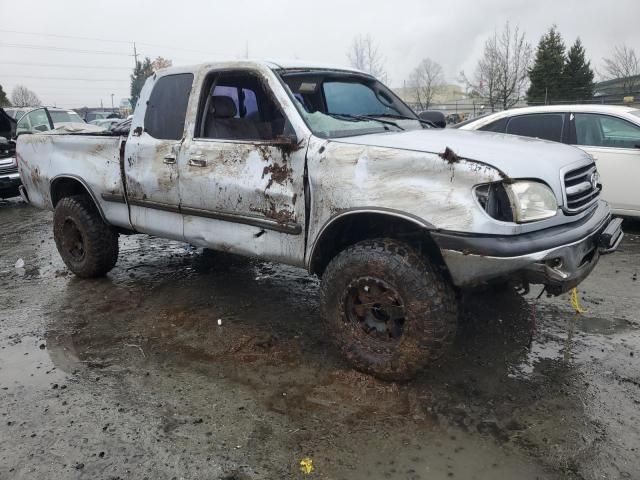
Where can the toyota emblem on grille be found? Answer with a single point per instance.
(594, 180)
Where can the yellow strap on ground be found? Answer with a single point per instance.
(306, 465)
(574, 301)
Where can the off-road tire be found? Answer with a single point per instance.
(99, 241)
(429, 302)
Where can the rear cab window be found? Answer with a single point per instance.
(164, 118)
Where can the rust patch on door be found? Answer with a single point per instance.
(279, 174)
(281, 215)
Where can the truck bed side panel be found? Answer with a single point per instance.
(95, 160)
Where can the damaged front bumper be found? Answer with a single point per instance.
(559, 257)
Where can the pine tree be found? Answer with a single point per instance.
(4, 101)
(578, 75)
(140, 74)
(546, 73)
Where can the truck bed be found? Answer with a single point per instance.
(94, 160)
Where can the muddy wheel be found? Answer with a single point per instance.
(87, 245)
(390, 312)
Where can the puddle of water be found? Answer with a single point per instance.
(432, 456)
(24, 364)
(606, 326)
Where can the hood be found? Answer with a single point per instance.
(7, 125)
(516, 157)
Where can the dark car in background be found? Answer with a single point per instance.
(9, 176)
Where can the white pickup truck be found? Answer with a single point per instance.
(326, 169)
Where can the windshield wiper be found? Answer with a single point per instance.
(404, 117)
(364, 118)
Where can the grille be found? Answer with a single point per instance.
(579, 188)
(5, 169)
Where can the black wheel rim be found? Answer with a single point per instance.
(72, 240)
(375, 308)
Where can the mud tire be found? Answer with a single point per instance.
(77, 216)
(430, 306)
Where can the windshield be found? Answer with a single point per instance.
(341, 104)
(63, 116)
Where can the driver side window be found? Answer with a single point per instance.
(238, 107)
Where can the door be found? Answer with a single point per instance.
(242, 173)
(151, 156)
(615, 145)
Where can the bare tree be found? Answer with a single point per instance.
(364, 55)
(501, 75)
(484, 83)
(426, 80)
(161, 62)
(625, 66)
(21, 96)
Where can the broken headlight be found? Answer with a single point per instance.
(531, 201)
(493, 198)
(520, 201)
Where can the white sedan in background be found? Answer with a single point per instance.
(611, 134)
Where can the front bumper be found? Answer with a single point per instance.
(559, 257)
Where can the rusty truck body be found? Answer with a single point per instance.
(326, 169)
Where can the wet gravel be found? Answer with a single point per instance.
(185, 365)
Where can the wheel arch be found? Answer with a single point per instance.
(68, 185)
(355, 225)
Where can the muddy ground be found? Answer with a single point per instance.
(131, 376)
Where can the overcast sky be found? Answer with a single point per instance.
(451, 32)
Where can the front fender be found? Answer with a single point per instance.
(421, 186)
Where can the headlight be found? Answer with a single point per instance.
(531, 201)
(493, 198)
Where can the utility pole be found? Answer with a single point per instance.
(112, 100)
(246, 50)
(135, 56)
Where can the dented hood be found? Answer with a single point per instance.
(514, 156)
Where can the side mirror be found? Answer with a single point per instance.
(435, 117)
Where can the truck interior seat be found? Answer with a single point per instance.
(221, 121)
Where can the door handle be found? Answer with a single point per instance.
(169, 159)
(197, 161)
